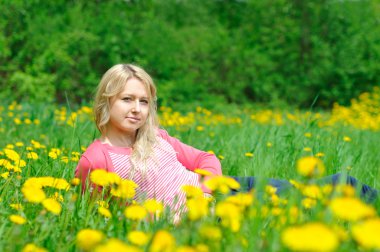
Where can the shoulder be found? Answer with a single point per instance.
(162, 133)
(96, 154)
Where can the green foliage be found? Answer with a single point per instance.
(279, 52)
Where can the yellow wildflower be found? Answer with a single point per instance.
(99, 177)
(222, 184)
(346, 139)
(307, 149)
(4, 175)
(17, 206)
(307, 134)
(33, 194)
(357, 209)
(230, 215)
(18, 219)
(310, 167)
(303, 238)
(125, 190)
(105, 212)
(203, 172)
(154, 207)
(366, 234)
(162, 241)
(197, 208)
(135, 212)
(320, 154)
(87, 239)
(52, 206)
(308, 203)
(32, 155)
(75, 181)
(138, 238)
(241, 199)
(248, 154)
(192, 191)
(11, 154)
(113, 245)
(30, 247)
(211, 233)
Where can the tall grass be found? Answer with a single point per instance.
(245, 145)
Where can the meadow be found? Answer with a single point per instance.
(42, 208)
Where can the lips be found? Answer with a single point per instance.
(133, 119)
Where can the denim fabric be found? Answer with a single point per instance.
(282, 185)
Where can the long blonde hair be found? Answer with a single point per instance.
(111, 84)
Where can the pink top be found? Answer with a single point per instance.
(170, 167)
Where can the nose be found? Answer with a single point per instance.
(137, 106)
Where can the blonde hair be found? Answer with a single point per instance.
(111, 84)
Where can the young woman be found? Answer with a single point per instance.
(133, 146)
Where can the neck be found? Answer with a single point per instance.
(118, 140)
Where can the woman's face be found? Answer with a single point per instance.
(129, 109)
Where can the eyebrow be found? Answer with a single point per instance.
(127, 94)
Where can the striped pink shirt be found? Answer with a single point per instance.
(170, 167)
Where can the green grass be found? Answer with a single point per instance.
(358, 157)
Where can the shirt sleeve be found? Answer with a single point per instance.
(191, 157)
(87, 164)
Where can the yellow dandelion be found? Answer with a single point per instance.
(162, 241)
(53, 155)
(308, 134)
(308, 203)
(114, 244)
(307, 149)
(366, 234)
(4, 175)
(17, 219)
(138, 238)
(19, 144)
(102, 203)
(347, 139)
(269, 144)
(99, 177)
(32, 155)
(33, 194)
(230, 215)
(192, 191)
(310, 167)
(211, 233)
(248, 154)
(30, 247)
(154, 207)
(135, 212)
(357, 209)
(16, 206)
(87, 239)
(221, 157)
(75, 181)
(105, 212)
(200, 128)
(197, 208)
(241, 199)
(125, 190)
(12, 155)
(320, 154)
(312, 191)
(303, 238)
(52, 206)
(222, 184)
(203, 172)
